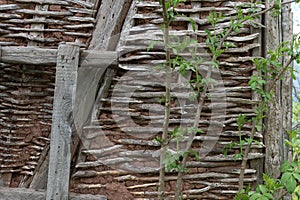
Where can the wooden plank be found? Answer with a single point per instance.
(39, 179)
(110, 18)
(90, 76)
(287, 82)
(275, 131)
(23, 193)
(98, 58)
(93, 65)
(128, 24)
(64, 101)
(103, 92)
(28, 55)
(40, 56)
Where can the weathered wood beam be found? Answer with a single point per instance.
(287, 82)
(39, 180)
(39, 56)
(278, 120)
(109, 22)
(94, 58)
(28, 55)
(64, 101)
(110, 18)
(24, 193)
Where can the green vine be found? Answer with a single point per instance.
(269, 69)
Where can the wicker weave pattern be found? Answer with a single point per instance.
(46, 22)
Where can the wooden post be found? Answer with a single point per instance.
(287, 81)
(279, 114)
(64, 100)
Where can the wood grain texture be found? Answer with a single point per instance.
(64, 101)
(95, 61)
(28, 55)
(278, 116)
(40, 56)
(98, 58)
(39, 179)
(109, 17)
(287, 82)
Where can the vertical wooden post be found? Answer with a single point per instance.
(64, 100)
(287, 81)
(279, 114)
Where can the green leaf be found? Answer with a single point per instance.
(262, 188)
(296, 193)
(271, 183)
(207, 32)
(241, 119)
(194, 153)
(243, 194)
(238, 156)
(192, 96)
(258, 128)
(289, 181)
(285, 166)
(158, 139)
(269, 196)
(168, 5)
(241, 197)
(255, 196)
(175, 51)
(296, 175)
(193, 24)
(151, 45)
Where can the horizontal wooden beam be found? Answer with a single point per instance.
(39, 56)
(24, 193)
(28, 55)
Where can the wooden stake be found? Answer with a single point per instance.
(64, 100)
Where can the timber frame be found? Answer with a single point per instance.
(91, 63)
(84, 76)
(68, 58)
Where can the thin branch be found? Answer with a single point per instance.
(272, 7)
(278, 76)
(260, 107)
(196, 121)
(190, 140)
(167, 104)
